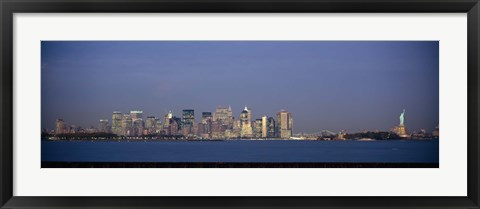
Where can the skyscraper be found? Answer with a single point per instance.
(158, 125)
(264, 127)
(271, 128)
(136, 115)
(218, 130)
(236, 129)
(224, 115)
(127, 125)
(137, 122)
(188, 119)
(285, 124)
(60, 127)
(150, 124)
(206, 116)
(168, 116)
(138, 126)
(103, 126)
(257, 128)
(246, 123)
(117, 123)
(174, 126)
(206, 124)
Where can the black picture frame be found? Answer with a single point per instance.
(9, 7)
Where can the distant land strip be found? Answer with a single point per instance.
(49, 164)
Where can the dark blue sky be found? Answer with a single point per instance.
(334, 85)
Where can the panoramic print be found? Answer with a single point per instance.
(240, 104)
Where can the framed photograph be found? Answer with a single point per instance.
(240, 104)
(188, 76)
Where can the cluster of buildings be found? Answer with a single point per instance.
(220, 124)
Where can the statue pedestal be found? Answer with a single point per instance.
(401, 131)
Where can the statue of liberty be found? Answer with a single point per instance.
(402, 117)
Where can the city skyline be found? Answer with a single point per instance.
(327, 85)
(153, 124)
(222, 124)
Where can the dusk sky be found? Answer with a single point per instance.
(332, 85)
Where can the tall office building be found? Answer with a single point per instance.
(246, 123)
(224, 115)
(137, 122)
(218, 130)
(264, 127)
(60, 127)
(168, 116)
(207, 116)
(200, 129)
(237, 128)
(257, 128)
(158, 125)
(136, 115)
(103, 126)
(127, 125)
(117, 123)
(206, 124)
(138, 126)
(174, 126)
(150, 124)
(271, 128)
(188, 118)
(285, 124)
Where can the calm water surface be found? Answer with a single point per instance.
(242, 151)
